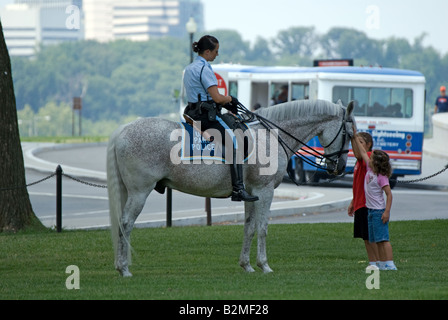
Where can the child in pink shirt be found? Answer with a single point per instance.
(376, 182)
(357, 207)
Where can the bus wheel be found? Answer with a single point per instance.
(313, 177)
(297, 170)
(393, 181)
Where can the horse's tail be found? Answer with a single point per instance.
(117, 192)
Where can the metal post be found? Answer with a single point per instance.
(208, 209)
(169, 207)
(80, 120)
(59, 199)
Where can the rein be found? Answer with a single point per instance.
(321, 156)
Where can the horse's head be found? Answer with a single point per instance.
(336, 139)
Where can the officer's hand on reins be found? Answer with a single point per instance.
(233, 105)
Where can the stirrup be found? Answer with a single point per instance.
(243, 195)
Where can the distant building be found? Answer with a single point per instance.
(29, 24)
(98, 20)
(51, 3)
(139, 20)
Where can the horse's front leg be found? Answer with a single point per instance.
(249, 231)
(261, 215)
(262, 231)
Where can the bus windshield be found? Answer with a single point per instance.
(377, 102)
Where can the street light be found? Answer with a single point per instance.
(191, 29)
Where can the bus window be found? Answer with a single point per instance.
(233, 88)
(377, 102)
(279, 93)
(300, 91)
(259, 95)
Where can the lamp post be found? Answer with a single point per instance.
(191, 29)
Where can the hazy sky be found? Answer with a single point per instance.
(377, 18)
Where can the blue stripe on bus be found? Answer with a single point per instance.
(349, 70)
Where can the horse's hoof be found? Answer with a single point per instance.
(124, 272)
(265, 268)
(247, 268)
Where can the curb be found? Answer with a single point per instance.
(40, 165)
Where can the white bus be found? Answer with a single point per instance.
(389, 104)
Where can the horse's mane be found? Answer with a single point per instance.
(299, 109)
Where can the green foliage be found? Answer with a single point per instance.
(310, 261)
(116, 79)
(122, 78)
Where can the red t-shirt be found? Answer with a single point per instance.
(359, 173)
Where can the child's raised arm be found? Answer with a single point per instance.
(355, 145)
(358, 150)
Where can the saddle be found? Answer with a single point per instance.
(198, 144)
(195, 125)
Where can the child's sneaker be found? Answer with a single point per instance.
(389, 267)
(381, 265)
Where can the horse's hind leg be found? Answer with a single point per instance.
(134, 205)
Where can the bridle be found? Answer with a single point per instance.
(269, 125)
(342, 151)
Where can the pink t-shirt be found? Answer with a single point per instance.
(373, 187)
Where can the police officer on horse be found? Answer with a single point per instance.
(205, 103)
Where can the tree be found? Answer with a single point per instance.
(351, 43)
(395, 50)
(15, 207)
(260, 53)
(296, 40)
(232, 47)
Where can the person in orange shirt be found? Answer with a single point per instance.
(441, 101)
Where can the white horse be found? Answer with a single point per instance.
(140, 159)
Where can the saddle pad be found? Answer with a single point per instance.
(196, 147)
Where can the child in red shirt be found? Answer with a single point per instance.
(357, 207)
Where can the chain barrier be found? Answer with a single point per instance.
(29, 184)
(84, 182)
(422, 179)
(91, 184)
(351, 172)
(59, 173)
(51, 176)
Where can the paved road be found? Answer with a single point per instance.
(86, 206)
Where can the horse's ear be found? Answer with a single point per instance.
(350, 107)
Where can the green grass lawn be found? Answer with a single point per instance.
(310, 261)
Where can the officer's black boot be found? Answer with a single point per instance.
(239, 193)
